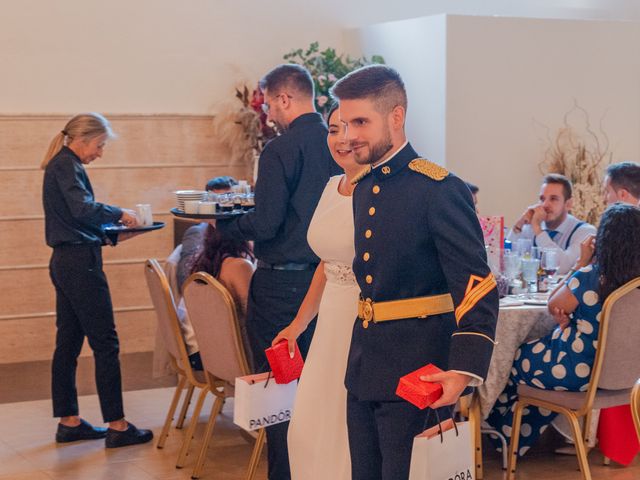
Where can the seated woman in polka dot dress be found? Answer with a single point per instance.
(563, 359)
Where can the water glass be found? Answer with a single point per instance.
(511, 262)
(145, 217)
(524, 246)
(530, 270)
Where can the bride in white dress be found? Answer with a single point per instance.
(318, 443)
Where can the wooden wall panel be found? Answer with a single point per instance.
(141, 139)
(28, 236)
(152, 156)
(22, 189)
(30, 290)
(22, 242)
(33, 339)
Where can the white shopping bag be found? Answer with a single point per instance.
(261, 402)
(443, 457)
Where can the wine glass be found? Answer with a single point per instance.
(550, 262)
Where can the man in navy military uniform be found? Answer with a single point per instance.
(427, 294)
(293, 171)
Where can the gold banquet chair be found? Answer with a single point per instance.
(616, 367)
(169, 327)
(213, 315)
(635, 406)
(470, 408)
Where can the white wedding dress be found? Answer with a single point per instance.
(318, 444)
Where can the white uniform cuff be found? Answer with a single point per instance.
(476, 381)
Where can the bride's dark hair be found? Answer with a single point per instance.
(333, 108)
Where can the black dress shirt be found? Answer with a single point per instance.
(71, 214)
(293, 171)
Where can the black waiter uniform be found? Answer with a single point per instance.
(293, 171)
(73, 221)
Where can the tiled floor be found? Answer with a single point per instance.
(28, 452)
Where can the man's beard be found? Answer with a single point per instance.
(376, 152)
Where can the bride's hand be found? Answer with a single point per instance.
(290, 334)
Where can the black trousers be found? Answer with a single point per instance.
(83, 308)
(274, 299)
(381, 437)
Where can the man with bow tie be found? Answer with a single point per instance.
(552, 226)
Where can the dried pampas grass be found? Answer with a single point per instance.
(579, 153)
(236, 132)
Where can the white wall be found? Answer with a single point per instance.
(145, 56)
(501, 75)
(417, 49)
(167, 56)
(504, 73)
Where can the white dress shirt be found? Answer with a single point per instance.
(566, 242)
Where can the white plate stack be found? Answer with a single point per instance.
(186, 195)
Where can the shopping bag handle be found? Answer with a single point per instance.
(455, 425)
(263, 366)
(269, 377)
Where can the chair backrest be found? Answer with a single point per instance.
(635, 406)
(214, 317)
(168, 322)
(620, 331)
(171, 271)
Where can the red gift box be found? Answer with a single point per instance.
(420, 393)
(285, 369)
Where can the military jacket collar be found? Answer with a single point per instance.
(396, 164)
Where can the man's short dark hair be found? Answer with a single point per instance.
(379, 83)
(557, 179)
(221, 183)
(288, 76)
(474, 188)
(625, 175)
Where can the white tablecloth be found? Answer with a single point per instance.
(516, 325)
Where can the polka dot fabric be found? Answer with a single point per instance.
(560, 361)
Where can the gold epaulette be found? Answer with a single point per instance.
(429, 169)
(365, 171)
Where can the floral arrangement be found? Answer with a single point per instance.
(264, 131)
(242, 131)
(580, 153)
(326, 68)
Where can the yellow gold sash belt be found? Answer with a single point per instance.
(369, 311)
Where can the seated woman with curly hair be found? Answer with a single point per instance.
(563, 359)
(231, 262)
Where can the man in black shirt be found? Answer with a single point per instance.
(293, 171)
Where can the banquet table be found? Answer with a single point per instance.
(516, 325)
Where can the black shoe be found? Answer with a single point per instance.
(84, 431)
(130, 436)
